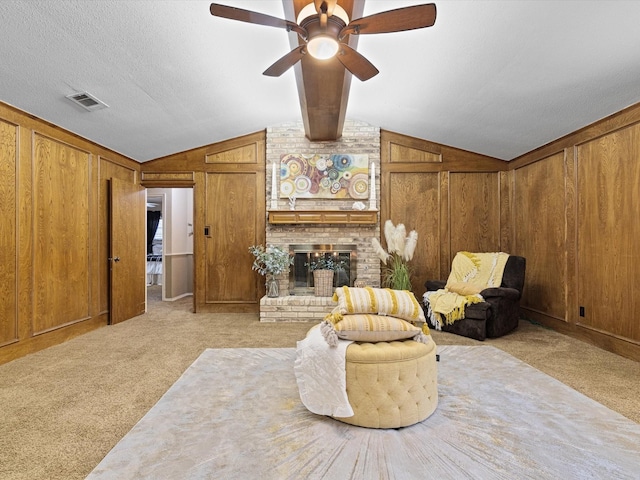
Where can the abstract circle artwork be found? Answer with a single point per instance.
(324, 176)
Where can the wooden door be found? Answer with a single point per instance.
(127, 251)
(230, 283)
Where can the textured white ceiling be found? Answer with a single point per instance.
(499, 78)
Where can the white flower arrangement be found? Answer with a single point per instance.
(271, 260)
(396, 274)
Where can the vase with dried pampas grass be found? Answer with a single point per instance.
(396, 273)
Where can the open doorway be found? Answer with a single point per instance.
(169, 244)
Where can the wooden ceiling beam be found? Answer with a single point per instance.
(323, 85)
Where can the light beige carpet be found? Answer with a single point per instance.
(63, 409)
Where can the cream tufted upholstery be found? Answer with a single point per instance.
(391, 384)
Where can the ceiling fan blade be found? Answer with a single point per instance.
(398, 20)
(248, 16)
(286, 62)
(356, 63)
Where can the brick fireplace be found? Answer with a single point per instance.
(357, 138)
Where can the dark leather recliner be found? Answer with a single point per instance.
(499, 313)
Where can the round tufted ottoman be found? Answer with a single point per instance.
(391, 384)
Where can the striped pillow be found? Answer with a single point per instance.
(382, 301)
(374, 328)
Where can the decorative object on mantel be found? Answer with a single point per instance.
(358, 206)
(292, 203)
(274, 187)
(324, 268)
(270, 261)
(372, 189)
(396, 274)
(335, 176)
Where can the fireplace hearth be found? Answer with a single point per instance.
(301, 275)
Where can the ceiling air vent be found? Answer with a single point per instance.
(87, 101)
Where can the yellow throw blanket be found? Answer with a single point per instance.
(470, 274)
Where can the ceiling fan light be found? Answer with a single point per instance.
(322, 47)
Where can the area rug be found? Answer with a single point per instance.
(236, 414)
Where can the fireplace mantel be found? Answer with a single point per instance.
(322, 217)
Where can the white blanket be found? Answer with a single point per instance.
(321, 377)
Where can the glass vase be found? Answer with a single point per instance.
(272, 286)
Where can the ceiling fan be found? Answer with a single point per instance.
(323, 25)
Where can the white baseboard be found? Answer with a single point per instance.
(173, 299)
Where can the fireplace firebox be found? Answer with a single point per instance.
(301, 275)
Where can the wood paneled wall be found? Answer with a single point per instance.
(414, 201)
(53, 233)
(8, 233)
(454, 199)
(570, 208)
(474, 211)
(539, 233)
(62, 248)
(229, 202)
(576, 220)
(608, 232)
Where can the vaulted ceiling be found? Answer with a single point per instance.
(499, 78)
